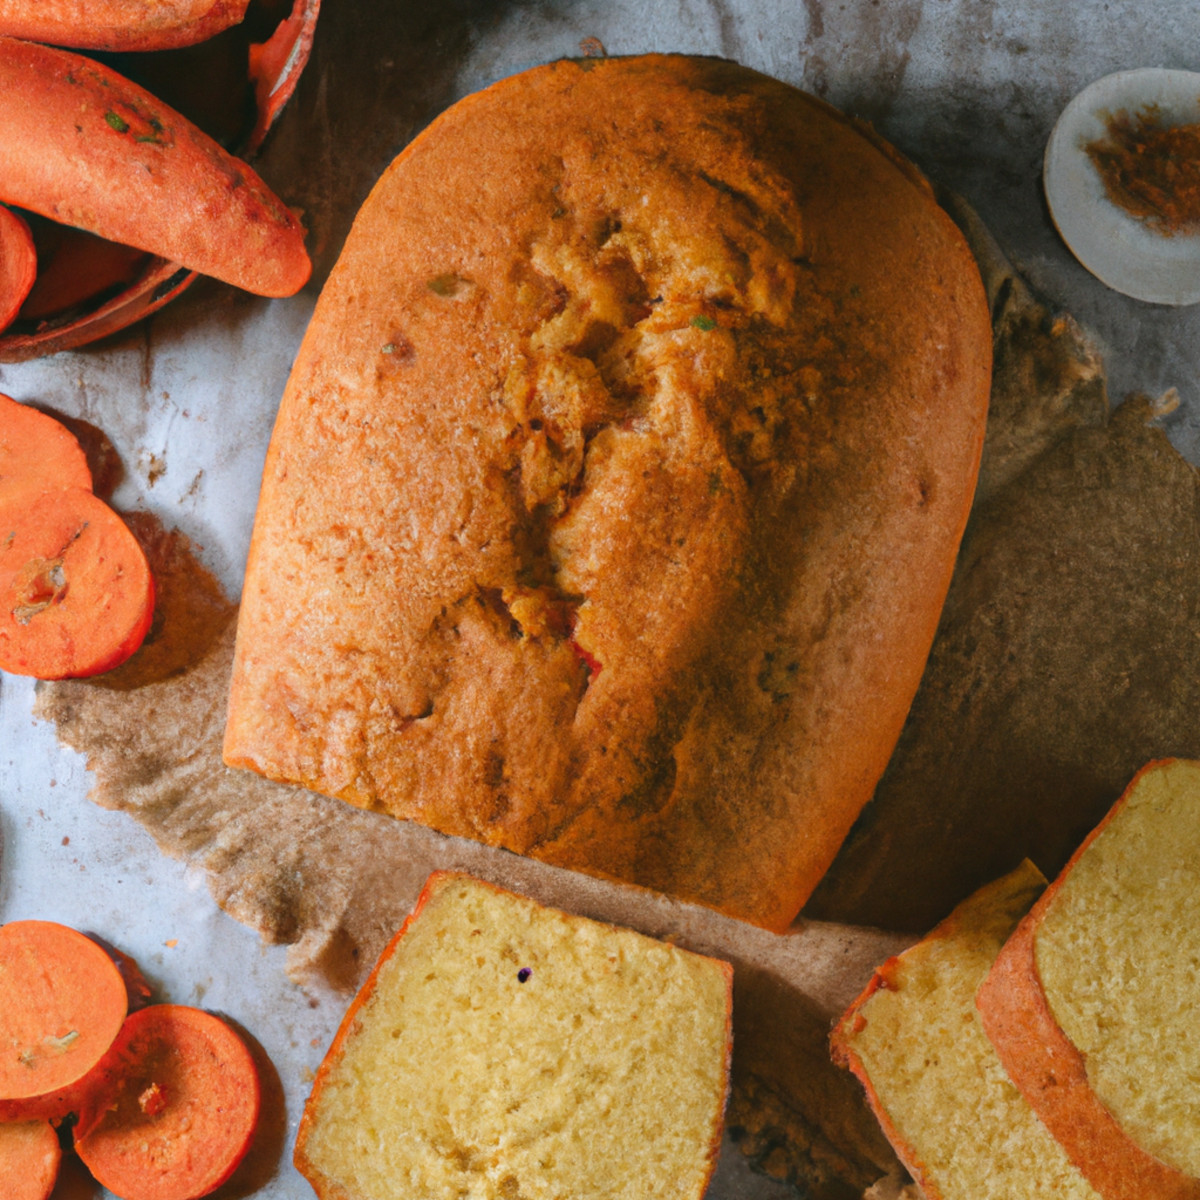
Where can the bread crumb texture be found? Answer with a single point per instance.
(943, 1097)
(617, 485)
(1118, 953)
(505, 1050)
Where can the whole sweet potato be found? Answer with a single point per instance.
(119, 24)
(84, 146)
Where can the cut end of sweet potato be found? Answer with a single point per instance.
(62, 1002)
(18, 264)
(76, 593)
(183, 1111)
(37, 450)
(29, 1159)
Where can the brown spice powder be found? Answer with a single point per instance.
(1151, 170)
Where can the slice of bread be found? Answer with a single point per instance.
(1092, 1004)
(503, 1049)
(915, 1040)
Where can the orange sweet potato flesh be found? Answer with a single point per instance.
(29, 1158)
(62, 1004)
(119, 24)
(36, 450)
(18, 264)
(183, 1110)
(86, 147)
(76, 593)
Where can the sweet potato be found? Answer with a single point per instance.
(119, 24)
(29, 1158)
(37, 450)
(18, 264)
(62, 1004)
(76, 268)
(182, 1111)
(276, 64)
(76, 593)
(84, 146)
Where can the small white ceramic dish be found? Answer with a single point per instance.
(1117, 248)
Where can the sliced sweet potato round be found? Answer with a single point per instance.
(183, 1109)
(76, 593)
(37, 449)
(62, 1003)
(29, 1158)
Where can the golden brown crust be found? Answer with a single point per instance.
(662, 390)
(1051, 1072)
(930, 1074)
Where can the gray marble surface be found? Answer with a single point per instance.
(968, 88)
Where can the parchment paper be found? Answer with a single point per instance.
(969, 88)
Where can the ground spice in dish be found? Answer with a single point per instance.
(1150, 170)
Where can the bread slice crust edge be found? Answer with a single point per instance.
(1050, 1070)
(330, 1188)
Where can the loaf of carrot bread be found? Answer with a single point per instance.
(915, 1040)
(1092, 1004)
(615, 491)
(503, 1049)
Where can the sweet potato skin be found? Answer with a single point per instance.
(74, 269)
(88, 148)
(276, 64)
(119, 24)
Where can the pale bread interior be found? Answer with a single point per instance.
(957, 1120)
(601, 1074)
(1118, 952)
